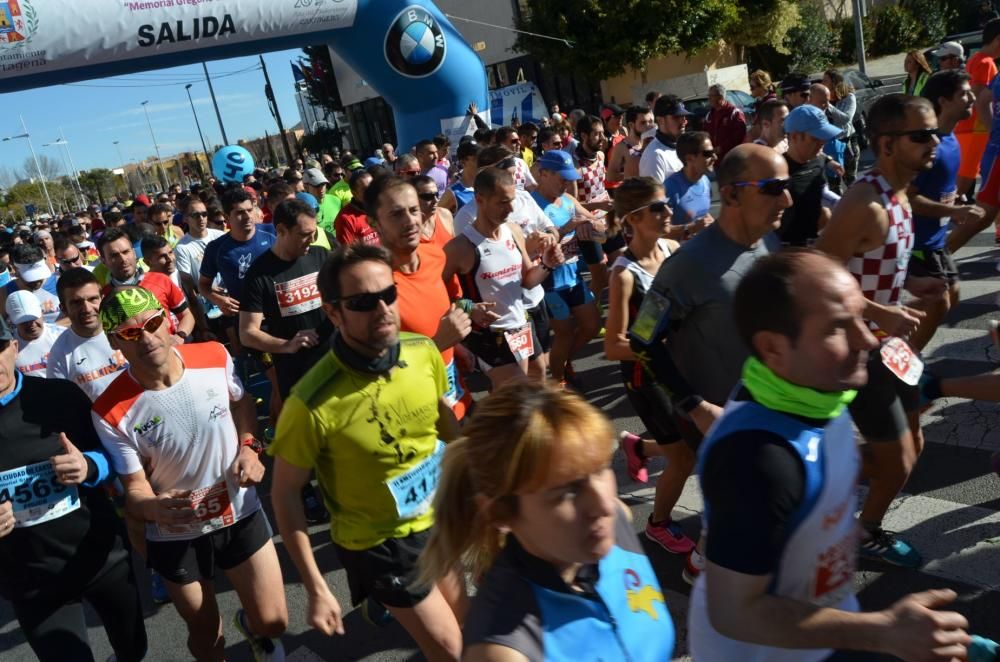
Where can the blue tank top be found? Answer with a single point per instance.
(561, 212)
(937, 184)
(463, 195)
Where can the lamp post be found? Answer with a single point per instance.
(121, 160)
(156, 148)
(41, 177)
(197, 124)
(70, 167)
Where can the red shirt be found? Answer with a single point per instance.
(351, 225)
(169, 295)
(727, 126)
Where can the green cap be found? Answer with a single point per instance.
(126, 304)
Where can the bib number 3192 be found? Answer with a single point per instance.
(413, 491)
(902, 361)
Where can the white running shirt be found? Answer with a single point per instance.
(183, 437)
(90, 363)
(33, 357)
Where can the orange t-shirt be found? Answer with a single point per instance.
(423, 299)
(981, 69)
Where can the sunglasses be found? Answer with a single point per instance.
(919, 136)
(773, 187)
(133, 333)
(708, 153)
(368, 301)
(337, 175)
(428, 197)
(409, 173)
(657, 207)
(71, 260)
(508, 162)
(198, 214)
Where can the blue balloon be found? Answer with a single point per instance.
(232, 163)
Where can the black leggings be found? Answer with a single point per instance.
(56, 630)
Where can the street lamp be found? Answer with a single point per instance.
(41, 177)
(70, 167)
(204, 148)
(156, 148)
(121, 160)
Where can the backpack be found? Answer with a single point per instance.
(861, 129)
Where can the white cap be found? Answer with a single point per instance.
(31, 273)
(23, 306)
(950, 48)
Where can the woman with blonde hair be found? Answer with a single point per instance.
(527, 499)
(917, 72)
(762, 90)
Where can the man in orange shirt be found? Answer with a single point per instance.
(424, 299)
(973, 133)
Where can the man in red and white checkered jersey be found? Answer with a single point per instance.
(592, 194)
(871, 231)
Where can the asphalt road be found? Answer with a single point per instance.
(949, 510)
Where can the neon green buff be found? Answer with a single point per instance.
(781, 395)
(124, 305)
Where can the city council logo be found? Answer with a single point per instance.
(415, 45)
(18, 22)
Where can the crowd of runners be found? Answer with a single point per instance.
(319, 327)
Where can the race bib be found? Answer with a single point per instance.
(570, 249)
(902, 361)
(454, 393)
(37, 494)
(520, 342)
(213, 510)
(413, 491)
(652, 317)
(297, 296)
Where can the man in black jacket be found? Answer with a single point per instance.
(60, 540)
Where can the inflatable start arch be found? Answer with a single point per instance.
(405, 49)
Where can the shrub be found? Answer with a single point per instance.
(813, 43)
(845, 29)
(896, 30)
(936, 18)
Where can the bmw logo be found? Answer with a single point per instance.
(415, 45)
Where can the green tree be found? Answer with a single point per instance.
(321, 84)
(31, 193)
(765, 23)
(98, 183)
(813, 44)
(603, 39)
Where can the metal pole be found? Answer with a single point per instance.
(859, 35)
(156, 148)
(198, 125)
(76, 176)
(41, 177)
(66, 166)
(215, 103)
(269, 93)
(121, 160)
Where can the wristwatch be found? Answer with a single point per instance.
(255, 444)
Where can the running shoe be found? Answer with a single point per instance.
(670, 536)
(375, 613)
(981, 649)
(157, 589)
(636, 463)
(263, 648)
(693, 565)
(881, 545)
(570, 376)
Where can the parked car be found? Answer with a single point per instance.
(867, 90)
(699, 108)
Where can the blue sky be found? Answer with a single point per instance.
(92, 117)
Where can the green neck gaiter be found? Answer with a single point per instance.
(781, 395)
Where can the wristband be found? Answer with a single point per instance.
(689, 403)
(466, 305)
(546, 267)
(256, 445)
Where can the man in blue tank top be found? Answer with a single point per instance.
(778, 473)
(932, 196)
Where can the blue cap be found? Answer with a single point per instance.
(307, 198)
(559, 161)
(374, 161)
(811, 120)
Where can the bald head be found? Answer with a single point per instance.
(819, 95)
(749, 162)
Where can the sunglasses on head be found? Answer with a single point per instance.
(508, 162)
(919, 136)
(428, 196)
(657, 207)
(368, 301)
(774, 187)
(133, 333)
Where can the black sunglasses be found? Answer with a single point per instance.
(428, 197)
(773, 187)
(368, 301)
(71, 260)
(919, 136)
(708, 153)
(198, 214)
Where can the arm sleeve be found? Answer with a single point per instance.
(123, 452)
(209, 268)
(752, 482)
(300, 435)
(252, 300)
(99, 468)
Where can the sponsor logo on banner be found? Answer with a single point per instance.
(521, 102)
(415, 45)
